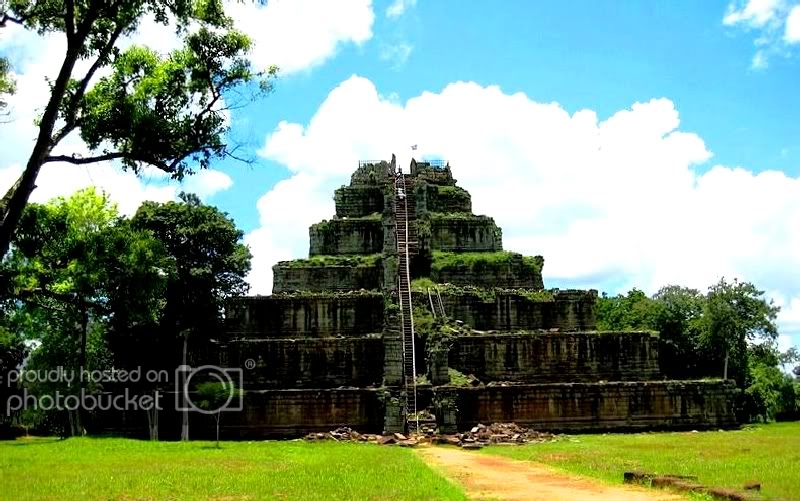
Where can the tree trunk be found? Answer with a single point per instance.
(41, 150)
(725, 370)
(217, 416)
(185, 425)
(152, 419)
(82, 361)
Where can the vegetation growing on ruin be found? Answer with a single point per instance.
(437, 333)
(729, 328)
(479, 262)
(458, 378)
(355, 261)
(453, 196)
(484, 293)
(110, 468)
(330, 226)
(326, 294)
(461, 216)
(370, 173)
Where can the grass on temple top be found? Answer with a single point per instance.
(479, 260)
(769, 454)
(346, 260)
(112, 468)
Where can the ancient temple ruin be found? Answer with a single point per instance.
(408, 307)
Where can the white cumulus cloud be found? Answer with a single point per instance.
(777, 23)
(295, 35)
(600, 199)
(301, 34)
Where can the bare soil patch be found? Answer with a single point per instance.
(487, 477)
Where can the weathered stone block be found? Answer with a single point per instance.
(538, 357)
(488, 269)
(438, 362)
(460, 233)
(328, 274)
(308, 363)
(617, 406)
(487, 309)
(359, 201)
(346, 236)
(304, 315)
(432, 173)
(394, 412)
(441, 199)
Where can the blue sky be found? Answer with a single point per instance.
(630, 143)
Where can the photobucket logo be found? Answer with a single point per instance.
(228, 379)
(89, 402)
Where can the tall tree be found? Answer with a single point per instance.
(211, 264)
(162, 111)
(736, 314)
(678, 315)
(75, 263)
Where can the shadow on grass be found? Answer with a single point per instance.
(25, 441)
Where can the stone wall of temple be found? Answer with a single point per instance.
(319, 276)
(309, 363)
(303, 316)
(558, 357)
(601, 406)
(346, 236)
(510, 311)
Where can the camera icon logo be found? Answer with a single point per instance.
(225, 396)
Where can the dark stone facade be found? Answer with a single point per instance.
(326, 349)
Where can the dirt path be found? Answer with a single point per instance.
(487, 477)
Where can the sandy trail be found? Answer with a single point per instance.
(487, 477)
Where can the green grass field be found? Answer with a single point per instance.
(768, 454)
(119, 469)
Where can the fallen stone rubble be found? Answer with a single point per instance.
(476, 438)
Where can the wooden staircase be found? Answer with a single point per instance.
(405, 216)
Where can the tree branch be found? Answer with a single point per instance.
(118, 155)
(15, 20)
(69, 20)
(71, 113)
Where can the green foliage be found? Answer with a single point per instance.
(7, 84)
(736, 314)
(482, 261)
(167, 111)
(12, 353)
(213, 396)
(764, 396)
(632, 312)
(457, 378)
(210, 262)
(698, 330)
(355, 261)
(485, 294)
(453, 196)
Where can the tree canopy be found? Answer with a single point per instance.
(134, 106)
(729, 331)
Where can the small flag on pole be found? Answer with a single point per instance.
(414, 147)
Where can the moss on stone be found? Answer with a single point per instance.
(325, 295)
(484, 261)
(324, 261)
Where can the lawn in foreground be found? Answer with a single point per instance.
(769, 454)
(110, 468)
